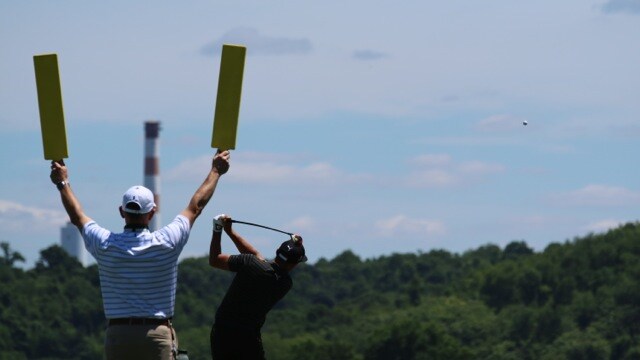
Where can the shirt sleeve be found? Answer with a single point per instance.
(94, 236)
(176, 233)
(237, 262)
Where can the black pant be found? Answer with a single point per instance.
(236, 344)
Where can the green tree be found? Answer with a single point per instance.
(413, 340)
(517, 249)
(9, 257)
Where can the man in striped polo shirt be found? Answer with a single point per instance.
(138, 268)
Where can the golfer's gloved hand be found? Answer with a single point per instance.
(218, 223)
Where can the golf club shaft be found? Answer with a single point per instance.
(262, 226)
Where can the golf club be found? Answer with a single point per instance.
(264, 227)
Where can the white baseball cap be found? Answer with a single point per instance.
(141, 197)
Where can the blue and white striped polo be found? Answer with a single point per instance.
(138, 269)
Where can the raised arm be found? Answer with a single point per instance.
(216, 257)
(243, 246)
(219, 166)
(59, 176)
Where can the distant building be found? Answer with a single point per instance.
(72, 243)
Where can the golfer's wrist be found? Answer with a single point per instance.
(62, 184)
(218, 223)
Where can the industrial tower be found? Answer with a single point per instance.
(151, 167)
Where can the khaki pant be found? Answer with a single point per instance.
(140, 342)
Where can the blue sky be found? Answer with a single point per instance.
(374, 126)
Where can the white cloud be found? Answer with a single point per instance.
(468, 141)
(432, 178)
(401, 225)
(559, 148)
(255, 156)
(278, 173)
(479, 168)
(600, 195)
(439, 170)
(500, 122)
(302, 224)
(258, 44)
(265, 168)
(602, 225)
(16, 217)
(533, 220)
(431, 159)
(189, 169)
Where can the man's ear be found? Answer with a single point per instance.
(121, 211)
(151, 213)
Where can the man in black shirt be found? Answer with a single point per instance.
(257, 286)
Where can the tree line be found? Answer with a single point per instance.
(574, 300)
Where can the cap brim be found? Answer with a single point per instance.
(139, 212)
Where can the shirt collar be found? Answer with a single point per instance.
(136, 228)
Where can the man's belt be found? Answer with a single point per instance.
(139, 321)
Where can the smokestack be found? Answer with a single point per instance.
(151, 167)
